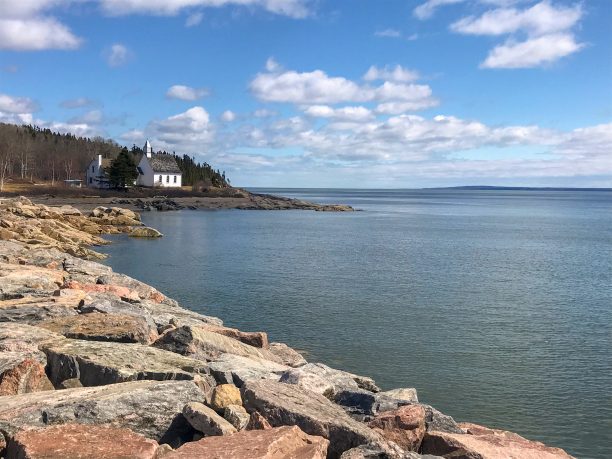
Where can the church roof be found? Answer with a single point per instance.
(164, 163)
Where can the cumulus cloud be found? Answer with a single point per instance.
(532, 52)
(117, 55)
(228, 116)
(318, 88)
(187, 93)
(397, 73)
(35, 34)
(291, 8)
(344, 113)
(16, 105)
(542, 18)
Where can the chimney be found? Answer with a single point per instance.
(99, 160)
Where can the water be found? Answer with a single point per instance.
(495, 305)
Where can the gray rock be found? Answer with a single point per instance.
(362, 404)
(203, 344)
(286, 404)
(205, 420)
(383, 451)
(97, 363)
(287, 355)
(408, 394)
(34, 311)
(309, 381)
(24, 340)
(339, 380)
(162, 313)
(150, 408)
(236, 369)
(434, 420)
(237, 416)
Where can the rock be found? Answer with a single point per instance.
(71, 383)
(255, 339)
(407, 394)
(257, 422)
(121, 328)
(96, 363)
(237, 416)
(363, 404)
(205, 420)
(376, 451)
(404, 426)
(287, 355)
(482, 442)
(24, 340)
(19, 280)
(19, 375)
(163, 450)
(339, 380)
(150, 408)
(202, 344)
(32, 310)
(286, 404)
(434, 420)
(280, 443)
(235, 369)
(77, 441)
(225, 395)
(309, 381)
(118, 290)
(145, 231)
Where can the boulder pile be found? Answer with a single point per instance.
(96, 364)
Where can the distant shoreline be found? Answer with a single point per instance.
(462, 187)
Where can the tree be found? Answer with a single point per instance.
(122, 172)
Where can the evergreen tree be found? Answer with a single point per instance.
(123, 171)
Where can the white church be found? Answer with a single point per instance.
(157, 169)
(154, 170)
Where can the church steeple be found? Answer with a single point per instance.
(148, 149)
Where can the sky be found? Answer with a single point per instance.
(326, 93)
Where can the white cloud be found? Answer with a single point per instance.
(397, 73)
(117, 55)
(427, 9)
(291, 8)
(16, 105)
(264, 113)
(541, 19)
(388, 33)
(187, 93)
(272, 66)
(228, 116)
(317, 88)
(344, 113)
(35, 34)
(194, 19)
(533, 52)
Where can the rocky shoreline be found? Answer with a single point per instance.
(95, 364)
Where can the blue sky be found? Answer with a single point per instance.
(322, 93)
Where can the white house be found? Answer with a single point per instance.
(158, 169)
(97, 173)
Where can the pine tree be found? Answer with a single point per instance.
(123, 172)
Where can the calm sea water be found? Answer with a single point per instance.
(495, 305)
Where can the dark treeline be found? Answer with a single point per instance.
(36, 154)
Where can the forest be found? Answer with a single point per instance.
(36, 154)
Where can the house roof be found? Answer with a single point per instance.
(164, 163)
(106, 162)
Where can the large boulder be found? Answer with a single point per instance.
(225, 395)
(408, 394)
(145, 231)
(235, 369)
(150, 408)
(96, 363)
(237, 416)
(255, 339)
(312, 374)
(32, 309)
(78, 441)
(19, 375)
(286, 404)
(200, 343)
(205, 420)
(25, 340)
(121, 328)
(404, 426)
(484, 443)
(19, 280)
(287, 355)
(282, 442)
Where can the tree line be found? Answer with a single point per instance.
(39, 154)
